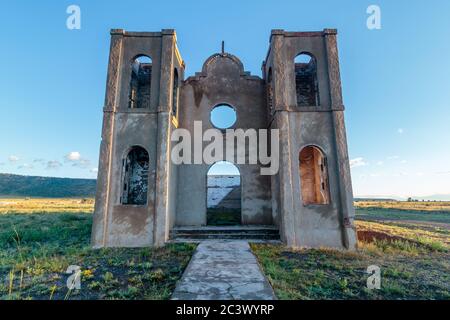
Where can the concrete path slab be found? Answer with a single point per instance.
(223, 270)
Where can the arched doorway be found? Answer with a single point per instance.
(223, 199)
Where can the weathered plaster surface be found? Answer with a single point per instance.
(177, 194)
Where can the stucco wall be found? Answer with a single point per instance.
(223, 81)
(116, 224)
(310, 225)
(177, 194)
(315, 224)
(131, 225)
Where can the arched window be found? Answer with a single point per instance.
(140, 84)
(269, 89)
(313, 176)
(135, 177)
(175, 93)
(306, 86)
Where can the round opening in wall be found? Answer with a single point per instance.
(223, 116)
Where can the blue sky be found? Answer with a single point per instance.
(396, 80)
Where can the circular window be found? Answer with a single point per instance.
(223, 116)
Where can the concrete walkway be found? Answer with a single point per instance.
(223, 270)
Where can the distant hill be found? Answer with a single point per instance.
(376, 199)
(12, 185)
(434, 197)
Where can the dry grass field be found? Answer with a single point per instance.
(38, 205)
(41, 238)
(426, 212)
(409, 241)
(435, 206)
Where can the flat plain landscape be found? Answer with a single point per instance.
(409, 241)
(41, 238)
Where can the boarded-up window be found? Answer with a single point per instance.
(140, 84)
(313, 176)
(135, 177)
(306, 85)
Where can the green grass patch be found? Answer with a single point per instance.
(408, 241)
(399, 214)
(330, 274)
(37, 248)
(223, 217)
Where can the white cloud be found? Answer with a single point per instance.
(94, 170)
(380, 163)
(53, 164)
(25, 166)
(400, 174)
(82, 163)
(442, 173)
(13, 158)
(400, 130)
(357, 162)
(403, 161)
(393, 157)
(73, 156)
(2, 164)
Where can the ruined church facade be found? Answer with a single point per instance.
(143, 196)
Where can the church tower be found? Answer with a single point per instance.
(312, 199)
(141, 105)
